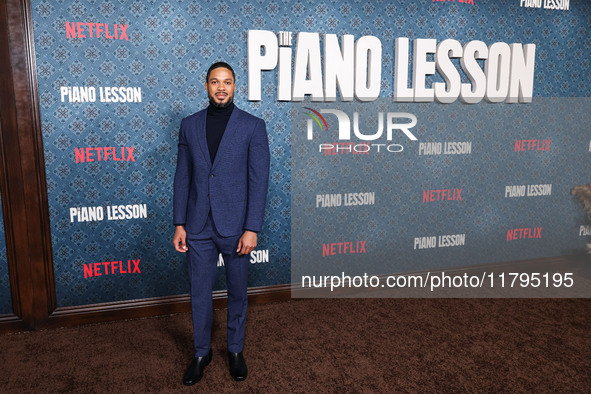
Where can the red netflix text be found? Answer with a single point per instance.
(456, 1)
(522, 233)
(525, 145)
(90, 154)
(343, 248)
(112, 268)
(342, 148)
(442, 194)
(94, 30)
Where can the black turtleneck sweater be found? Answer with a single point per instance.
(215, 125)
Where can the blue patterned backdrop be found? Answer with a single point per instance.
(484, 213)
(171, 44)
(5, 298)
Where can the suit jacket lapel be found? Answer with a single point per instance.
(202, 137)
(228, 136)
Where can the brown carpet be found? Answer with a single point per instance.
(321, 345)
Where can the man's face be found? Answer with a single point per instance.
(220, 87)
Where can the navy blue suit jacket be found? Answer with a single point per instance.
(234, 187)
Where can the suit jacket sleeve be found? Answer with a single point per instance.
(182, 180)
(258, 177)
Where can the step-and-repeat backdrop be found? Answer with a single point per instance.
(422, 133)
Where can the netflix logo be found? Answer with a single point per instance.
(343, 248)
(90, 154)
(442, 194)
(527, 145)
(94, 30)
(524, 233)
(112, 268)
(459, 1)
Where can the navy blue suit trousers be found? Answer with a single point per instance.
(204, 249)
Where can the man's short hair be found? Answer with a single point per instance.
(218, 65)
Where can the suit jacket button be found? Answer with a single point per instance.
(211, 175)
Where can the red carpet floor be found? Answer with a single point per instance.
(321, 345)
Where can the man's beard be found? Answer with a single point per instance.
(220, 105)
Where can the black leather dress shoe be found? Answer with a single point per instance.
(238, 368)
(195, 371)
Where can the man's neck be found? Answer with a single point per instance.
(213, 110)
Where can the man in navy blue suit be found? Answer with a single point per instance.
(220, 191)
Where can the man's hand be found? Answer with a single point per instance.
(180, 239)
(247, 242)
